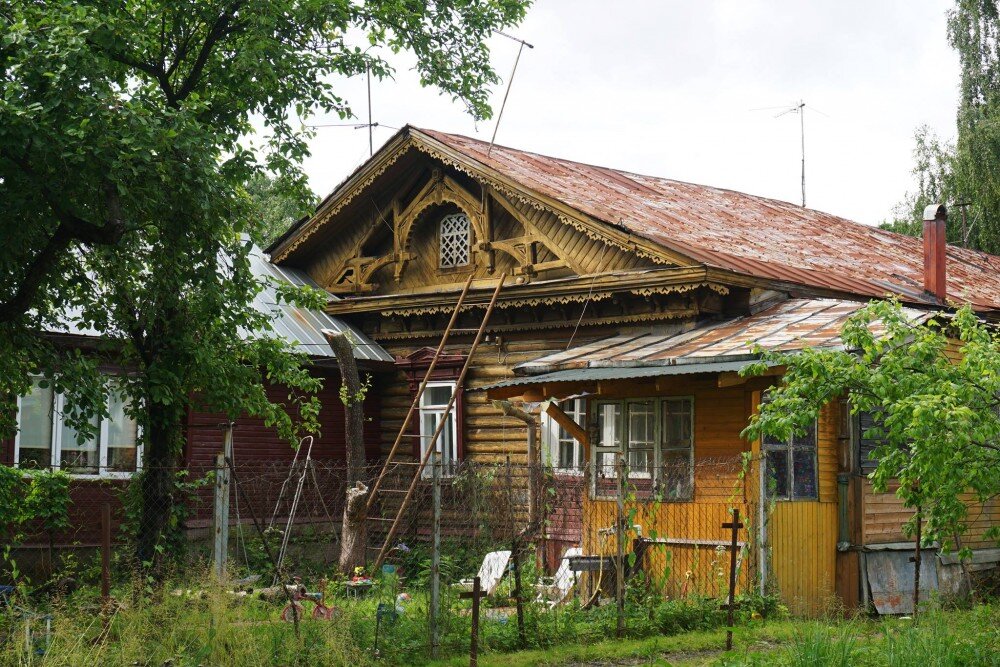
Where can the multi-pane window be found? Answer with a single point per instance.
(790, 466)
(433, 404)
(676, 458)
(656, 439)
(562, 449)
(46, 440)
(454, 241)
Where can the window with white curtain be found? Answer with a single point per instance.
(562, 450)
(433, 404)
(46, 440)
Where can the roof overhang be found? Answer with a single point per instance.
(600, 374)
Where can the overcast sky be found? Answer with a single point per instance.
(668, 88)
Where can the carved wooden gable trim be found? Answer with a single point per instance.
(510, 231)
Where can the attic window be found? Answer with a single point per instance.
(454, 241)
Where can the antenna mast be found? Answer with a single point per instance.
(802, 130)
(800, 109)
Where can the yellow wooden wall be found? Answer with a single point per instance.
(720, 414)
(802, 535)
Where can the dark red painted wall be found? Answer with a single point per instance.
(253, 441)
(259, 454)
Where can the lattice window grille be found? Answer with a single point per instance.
(454, 240)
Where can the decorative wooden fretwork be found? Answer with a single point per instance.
(454, 238)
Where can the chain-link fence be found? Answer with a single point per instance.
(604, 547)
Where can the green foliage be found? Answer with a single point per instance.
(186, 495)
(128, 134)
(938, 410)
(11, 500)
(277, 206)
(964, 171)
(936, 182)
(47, 501)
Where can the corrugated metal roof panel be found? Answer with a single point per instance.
(791, 325)
(620, 373)
(302, 327)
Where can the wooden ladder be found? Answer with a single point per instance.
(442, 422)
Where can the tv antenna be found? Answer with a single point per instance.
(800, 109)
(509, 82)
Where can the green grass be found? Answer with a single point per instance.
(936, 639)
(649, 649)
(213, 627)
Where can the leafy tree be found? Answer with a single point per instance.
(965, 171)
(276, 207)
(932, 387)
(125, 145)
(935, 177)
(47, 503)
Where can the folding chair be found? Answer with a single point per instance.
(490, 572)
(555, 590)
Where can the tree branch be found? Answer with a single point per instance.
(71, 228)
(218, 31)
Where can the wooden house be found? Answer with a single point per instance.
(631, 300)
(102, 466)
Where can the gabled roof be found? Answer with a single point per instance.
(731, 231)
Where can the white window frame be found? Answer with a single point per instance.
(55, 445)
(449, 469)
(447, 262)
(622, 449)
(554, 435)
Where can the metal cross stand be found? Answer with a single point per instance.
(475, 594)
(734, 526)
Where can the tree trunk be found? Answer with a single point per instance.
(352, 546)
(157, 482)
(353, 397)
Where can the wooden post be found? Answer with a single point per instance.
(518, 598)
(436, 557)
(915, 559)
(620, 549)
(734, 526)
(220, 518)
(106, 553)
(476, 594)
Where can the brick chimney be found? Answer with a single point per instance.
(935, 283)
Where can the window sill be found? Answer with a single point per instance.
(83, 477)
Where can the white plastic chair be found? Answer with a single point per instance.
(554, 590)
(490, 572)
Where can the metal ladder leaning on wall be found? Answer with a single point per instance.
(414, 407)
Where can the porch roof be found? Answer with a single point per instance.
(726, 346)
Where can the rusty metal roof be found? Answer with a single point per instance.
(791, 325)
(743, 233)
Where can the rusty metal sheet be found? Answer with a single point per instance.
(794, 324)
(743, 233)
(890, 579)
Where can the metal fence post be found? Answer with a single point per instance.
(436, 557)
(221, 504)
